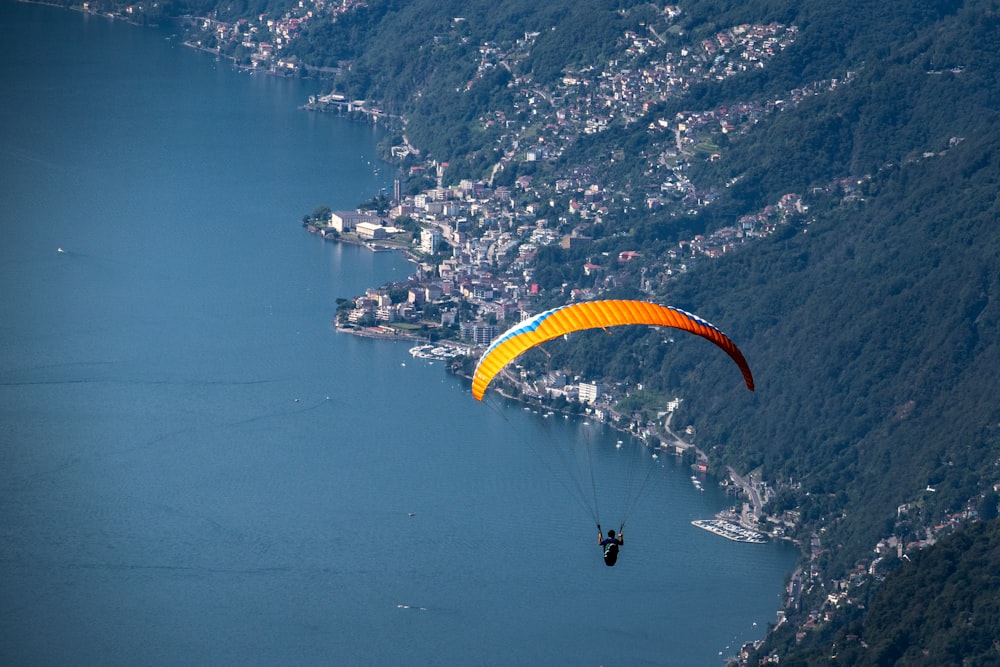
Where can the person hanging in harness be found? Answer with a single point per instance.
(610, 544)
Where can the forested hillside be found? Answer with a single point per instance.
(943, 608)
(869, 311)
(872, 330)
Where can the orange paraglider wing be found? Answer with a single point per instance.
(594, 315)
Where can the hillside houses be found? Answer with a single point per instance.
(477, 254)
(478, 243)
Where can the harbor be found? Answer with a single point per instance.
(438, 352)
(730, 530)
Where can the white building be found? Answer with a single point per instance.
(429, 240)
(479, 332)
(591, 391)
(371, 231)
(347, 221)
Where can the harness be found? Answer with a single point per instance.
(611, 552)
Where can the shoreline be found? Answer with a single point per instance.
(377, 332)
(382, 245)
(113, 16)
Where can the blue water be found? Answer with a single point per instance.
(195, 468)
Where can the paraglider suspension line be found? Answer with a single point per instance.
(577, 488)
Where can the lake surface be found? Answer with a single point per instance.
(195, 468)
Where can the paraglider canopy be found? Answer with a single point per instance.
(593, 315)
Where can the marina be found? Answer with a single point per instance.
(437, 352)
(730, 530)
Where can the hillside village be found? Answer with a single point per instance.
(547, 118)
(476, 240)
(475, 248)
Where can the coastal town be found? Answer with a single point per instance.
(474, 242)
